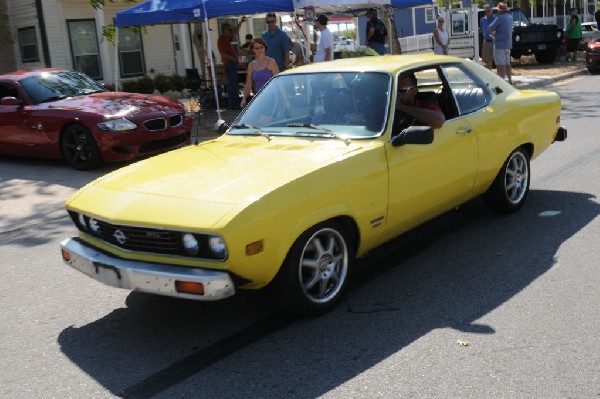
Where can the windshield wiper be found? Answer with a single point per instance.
(256, 129)
(329, 133)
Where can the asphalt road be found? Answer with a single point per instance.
(471, 305)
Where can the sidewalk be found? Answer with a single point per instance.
(545, 76)
(527, 74)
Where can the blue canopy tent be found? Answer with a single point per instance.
(155, 12)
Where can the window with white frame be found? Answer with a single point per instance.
(131, 53)
(28, 44)
(84, 47)
(429, 15)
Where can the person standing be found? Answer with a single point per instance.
(487, 47)
(278, 42)
(574, 35)
(376, 32)
(501, 30)
(229, 58)
(260, 70)
(325, 43)
(441, 39)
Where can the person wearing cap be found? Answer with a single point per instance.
(441, 40)
(376, 32)
(325, 43)
(487, 47)
(501, 30)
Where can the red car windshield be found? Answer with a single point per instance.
(50, 86)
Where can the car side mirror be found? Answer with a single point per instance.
(9, 101)
(414, 135)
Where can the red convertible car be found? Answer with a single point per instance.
(54, 113)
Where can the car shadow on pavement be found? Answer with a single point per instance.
(33, 192)
(448, 273)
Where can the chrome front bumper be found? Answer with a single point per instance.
(144, 276)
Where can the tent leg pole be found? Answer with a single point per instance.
(212, 62)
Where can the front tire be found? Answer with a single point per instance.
(314, 274)
(79, 148)
(509, 190)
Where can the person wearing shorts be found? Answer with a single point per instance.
(501, 30)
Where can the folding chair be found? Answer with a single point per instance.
(200, 90)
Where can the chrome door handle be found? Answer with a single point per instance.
(465, 130)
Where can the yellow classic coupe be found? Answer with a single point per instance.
(313, 173)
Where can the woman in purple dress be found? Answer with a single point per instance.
(260, 70)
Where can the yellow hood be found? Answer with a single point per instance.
(206, 181)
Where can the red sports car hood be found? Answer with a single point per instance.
(118, 104)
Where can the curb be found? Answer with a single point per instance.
(541, 81)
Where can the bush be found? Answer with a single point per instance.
(162, 83)
(178, 83)
(146, 85)
(130, 86)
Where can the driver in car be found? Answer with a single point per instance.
(412, 111)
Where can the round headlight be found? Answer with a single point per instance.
(217, 246)
(82, 222)
(94, 225)
(190, 244)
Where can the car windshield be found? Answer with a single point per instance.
(49, 86)
(328, 105)
(519, 19)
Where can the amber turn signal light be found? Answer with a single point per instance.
(188, 287)
(66, 255)
(254, 248)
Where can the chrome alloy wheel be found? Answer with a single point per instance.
(323, 265)
(516, 177)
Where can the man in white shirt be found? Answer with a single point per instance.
(325, 44)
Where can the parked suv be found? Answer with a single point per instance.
(540, 40)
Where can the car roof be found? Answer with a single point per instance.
(385, 63)
(18, 75)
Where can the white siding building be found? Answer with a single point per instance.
(68, 34)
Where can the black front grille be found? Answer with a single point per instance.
(138, 238)
(538, 37)
(144, 239)
(175, 120)
(156, 124)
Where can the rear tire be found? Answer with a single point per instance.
(79, 148)
(509, 190)
(313, 276)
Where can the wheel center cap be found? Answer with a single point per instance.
(326, 265)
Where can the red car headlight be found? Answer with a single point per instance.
(117, 125)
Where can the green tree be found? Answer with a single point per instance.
(109, 31)
(98, 4)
